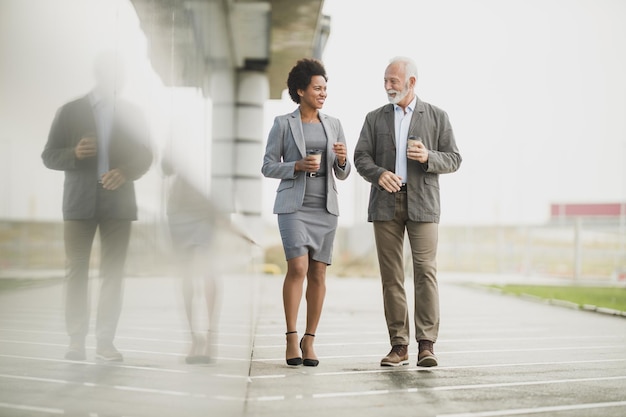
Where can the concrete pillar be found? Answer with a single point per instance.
(238, 98)
(222, 133)
(252, 93)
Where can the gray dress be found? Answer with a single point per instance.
(312, 228)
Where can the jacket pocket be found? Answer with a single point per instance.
(432, 180)
(285, 184)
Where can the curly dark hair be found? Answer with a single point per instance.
(300, 76)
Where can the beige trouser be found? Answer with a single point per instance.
(423, 238)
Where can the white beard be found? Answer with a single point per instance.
(399, 95)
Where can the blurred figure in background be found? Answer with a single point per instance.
(306, 150)
(101, 143)
(402, 149)
(191, 219)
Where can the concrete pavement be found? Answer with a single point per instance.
(499, 356)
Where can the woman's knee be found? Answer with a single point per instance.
(297, 268)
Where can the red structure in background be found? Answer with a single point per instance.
(608, 211)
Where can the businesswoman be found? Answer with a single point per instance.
(306, 199)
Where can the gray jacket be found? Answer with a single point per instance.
(375, 153)
(285, 146)
(129, 151)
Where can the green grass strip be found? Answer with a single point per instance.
(604, 297)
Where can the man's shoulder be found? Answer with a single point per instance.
(73, 108)
(382, 110)
(76, 102)
(429, 107)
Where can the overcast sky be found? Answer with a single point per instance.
(535, 90)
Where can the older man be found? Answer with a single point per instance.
(404, 196)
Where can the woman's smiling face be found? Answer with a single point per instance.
(315, 93)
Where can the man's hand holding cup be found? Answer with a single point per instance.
(87, 147)
(416, 150)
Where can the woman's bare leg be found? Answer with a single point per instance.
(315, 294)
(292, 295)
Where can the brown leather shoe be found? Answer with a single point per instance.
(399, 355)
(426, 356)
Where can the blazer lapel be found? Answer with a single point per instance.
(391, 122)
(331, 135)
(295, 124)
(417, 115)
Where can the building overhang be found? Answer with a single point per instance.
(270, 36)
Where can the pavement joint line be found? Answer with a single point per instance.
(442, 388)
(443, 368)
(537, 410)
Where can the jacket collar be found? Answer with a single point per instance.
(295, 124)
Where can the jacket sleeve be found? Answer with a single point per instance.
(274, 165)
(365, 152)
(341, 173)
(58, 152)
(446, 158)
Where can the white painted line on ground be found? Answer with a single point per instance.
(32, 408)
(117, 387)
(86, 363)
(181, 342)
(538, 410)
(33, 331)
(528, 383)
(443, 368)
(153, 391)
(35, 379)
(444, 388)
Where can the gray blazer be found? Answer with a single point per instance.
(129, 151)
(375, 153)
(285, 146)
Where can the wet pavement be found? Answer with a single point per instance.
(499, 355)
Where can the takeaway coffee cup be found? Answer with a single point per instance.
(316, 153)
(413, 141)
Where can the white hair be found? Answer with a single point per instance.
(410, 67)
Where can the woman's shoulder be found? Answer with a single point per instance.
(285, 117)
(329, 118)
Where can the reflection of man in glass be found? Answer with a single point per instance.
(101, 142)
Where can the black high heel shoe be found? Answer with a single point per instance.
(308, 362)
(293, 361)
